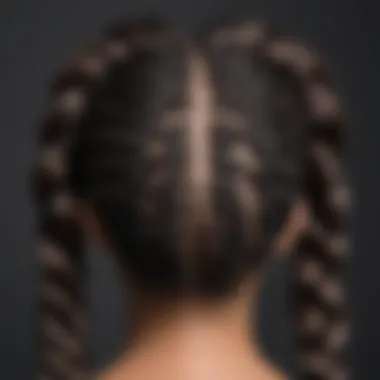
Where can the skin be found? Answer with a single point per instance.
(194, 339)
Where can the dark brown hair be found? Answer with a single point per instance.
(192, 154)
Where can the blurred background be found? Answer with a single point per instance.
(37, 35)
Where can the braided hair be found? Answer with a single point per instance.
(60, 237)
(319, 303)
(191, 155)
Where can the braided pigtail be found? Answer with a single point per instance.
(60, 245)
(319, 302)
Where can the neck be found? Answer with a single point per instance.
(197, 337)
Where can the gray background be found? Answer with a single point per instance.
(36, 35)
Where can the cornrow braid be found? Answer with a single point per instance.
(60, 243)
(319, 304)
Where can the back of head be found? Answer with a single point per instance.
(191, 155)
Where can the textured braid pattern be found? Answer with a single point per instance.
(320, 305)
(319, 299)
(60, 248)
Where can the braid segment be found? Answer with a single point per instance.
(319, 304)
(60, 239)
